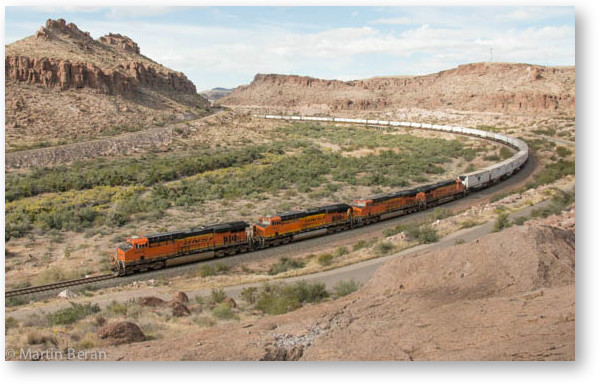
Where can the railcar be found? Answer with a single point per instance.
(159, 250)
(286, 227)
(384, 206)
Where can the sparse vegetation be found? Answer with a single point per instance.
(285, 264)
(383, 248)
(325, 259)
(345, 287)
(560, 201)
(277, 299)
(502, 222)
(72, 314)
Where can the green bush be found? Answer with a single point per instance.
(383, 248)
(213, 269)
(560, 201)
(502, 222)
(427, 235)
(223, 311)
(553, 172)
(520, 220)
(217, 295)
(505, 153)
(275, 299)
(345, 287)
(325, 259)
(248, 294)
(340, 251)
(399, 228)
(285, 264)
(468, 224)
(117, 308)
(72, 314)
(563, 151)
(360, 245)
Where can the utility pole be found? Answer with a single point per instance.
(491, 54)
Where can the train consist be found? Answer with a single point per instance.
(160, 250)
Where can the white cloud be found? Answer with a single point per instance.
(395, 21)
(206, 52)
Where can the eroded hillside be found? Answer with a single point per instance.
(490, 87)
(63, 86)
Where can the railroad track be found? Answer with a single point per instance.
(58, 285)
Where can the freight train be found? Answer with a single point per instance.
(160, 250)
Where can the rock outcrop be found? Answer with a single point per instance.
(123, 76)
(121, 333)
(63, 86)
(501, 87)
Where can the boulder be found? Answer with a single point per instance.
(151, 301)
(180, 309)
(121, 333)
(67, 294)
(181, 297)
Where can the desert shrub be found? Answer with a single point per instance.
(204, 321)
(277, 299)
(560, 200)
(399, 228)
(563, 151)
(505, 153)
(285, 264)
(502, 222)
(17, 223)
(10, 322)
(459, 241)
(520, 220)
(340, 251)
(553, 172)
(223, 311)
(116, 308)
(72, 314)
(214, 269)
(325, 259)
(248, 294)
(217, 295)
(144, 170)
(345, 287)
(427, 235)
(492, 157)
(35, 337)
(440, 213)
(359, 245)
(468, 224)
(383, 248)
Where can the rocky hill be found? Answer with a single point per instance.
(506, 296)
(64, 85)
(489, 87)
(216, 93)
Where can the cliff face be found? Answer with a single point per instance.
(63, 86)
(127, 73)
(500, 87)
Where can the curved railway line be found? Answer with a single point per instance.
(494, 174)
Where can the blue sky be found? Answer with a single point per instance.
(227, 46)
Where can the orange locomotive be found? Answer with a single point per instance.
(384, 206)
(286, 227)
(166, 249)
(161, 250)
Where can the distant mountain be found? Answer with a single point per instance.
(64, 86)
(216, 93)
(490, 87)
